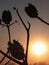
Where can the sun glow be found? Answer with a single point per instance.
(39, 48)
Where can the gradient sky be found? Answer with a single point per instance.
(38, 31)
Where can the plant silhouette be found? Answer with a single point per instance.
(33, 12)
(25, 62)
(13, 48)
(16, 50)
(6, 17)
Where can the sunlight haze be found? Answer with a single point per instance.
(39, 31)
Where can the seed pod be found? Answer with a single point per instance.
(31, 11)
(6, 17)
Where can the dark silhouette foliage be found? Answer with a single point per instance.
(31, 11)
(25, 62)
(10, 58)
(16, 50)
(6, 16)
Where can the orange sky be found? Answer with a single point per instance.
(38, 31)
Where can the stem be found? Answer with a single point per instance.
(27, 46)
(42, 20)
(7, 62)
(21, 19)
(9, 41)
(9, 33)
(27, 30)
(10, 57)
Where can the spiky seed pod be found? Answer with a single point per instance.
(31, 11)
(6, 16)
(16, 50)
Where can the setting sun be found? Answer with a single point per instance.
(39, 48)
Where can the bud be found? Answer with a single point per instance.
(6, 17)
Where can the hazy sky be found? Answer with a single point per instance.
(38, 31)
